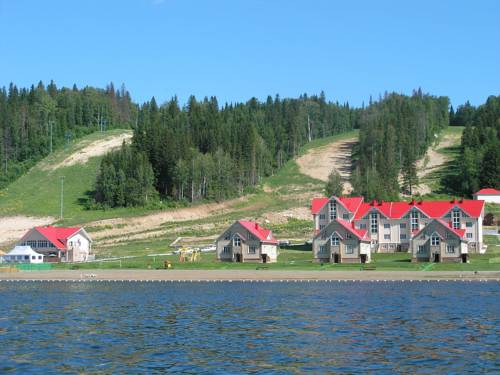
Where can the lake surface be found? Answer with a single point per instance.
(269, 328)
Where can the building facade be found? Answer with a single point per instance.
(393, 226)
(59, 244)
(488, 195)
(247, 241)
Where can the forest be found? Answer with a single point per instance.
(206, 151)
(394, 133)
(479, 165)
(34, 121)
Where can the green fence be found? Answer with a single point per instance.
(34, 267)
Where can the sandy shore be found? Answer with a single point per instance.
(246, 275)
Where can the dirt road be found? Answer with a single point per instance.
(319, 162)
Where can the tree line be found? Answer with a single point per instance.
(43, 117)
(206, 151)
(479, 162)
(394, 133)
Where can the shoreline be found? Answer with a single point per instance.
(246, 275)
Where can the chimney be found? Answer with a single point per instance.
(412, 202)
(381, 203)
(256, 226)
(420, 202)
(373, 203)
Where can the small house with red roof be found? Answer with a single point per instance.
(247, 241)
(392, 226)
(59, 244)
(488, 195)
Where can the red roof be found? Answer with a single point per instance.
(432, 209)
(57, 235)
(350, 203)
(360, 233)
(459, 232)
(488, 192)
(261, 233)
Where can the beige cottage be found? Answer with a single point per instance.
(247, 241)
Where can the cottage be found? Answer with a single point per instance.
(439, 242)
(23, 254)
(392, 226)
(59, 244)
(247, 241)
(341, 242)
(488, 195)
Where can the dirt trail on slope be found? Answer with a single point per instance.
(96, 148)
(12, 228)
(433, 160)
(319, 162)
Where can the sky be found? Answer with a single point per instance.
(237, 49)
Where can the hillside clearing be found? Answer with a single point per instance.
(14, 227)
(319, 162)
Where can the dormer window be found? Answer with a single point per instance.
(414, 220)
(236, 241)
(374, 222)
(335, 240)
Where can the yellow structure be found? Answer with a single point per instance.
(188, 255)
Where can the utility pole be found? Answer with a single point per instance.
(62, 196)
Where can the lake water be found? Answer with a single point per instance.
(324, 327)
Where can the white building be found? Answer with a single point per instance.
(23, 254)
(488, 195)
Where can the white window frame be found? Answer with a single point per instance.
(402, 236)
(455, 215)
(373, 222)
(421, 249)
(387, 225)
(402, 225)
(414, 220)
(448, 251)
(335, 240)
(333, 209)
(226, 250)
(322, 216)
(322, 249)
(349, 249)
(387, 236)
(469, 224)
(345, 216)
(236, 241)
(252, 250)
(469, 235)
(435, 240)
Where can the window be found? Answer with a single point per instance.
(236, 241)
(252, 250)
(335, 240)
(226, 250)
(33, 257)
(362, 226)
(322, 249)
(40, 257)
(349, 249)
(333, 210)
(321, 227)
(387, 226)
(447, 235)
(469, 235)
(468, 224)
(402, 225)
(345, 216)
(26, 257)
(322, 217)
(373, 222)
(227, 236)
(414, 220)
(402, 236)
(435, 240)
(450, 249)
(387, 236)
(456, 219)
(421, 249)
(348, 235)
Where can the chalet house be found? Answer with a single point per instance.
(247, 241)
(59, 244)
(488, 195)
(400, 226)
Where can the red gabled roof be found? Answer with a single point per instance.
(261, 233)
(350, 203)
(57, 235)
(488, 191)
(432, 209)
(360, 233)
(459, 232)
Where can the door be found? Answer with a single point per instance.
(465, 258)
(436, 258)
(336, 258)
(264, 258)
(238, 258)
(363, 258)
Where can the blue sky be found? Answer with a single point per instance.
(239, 49)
